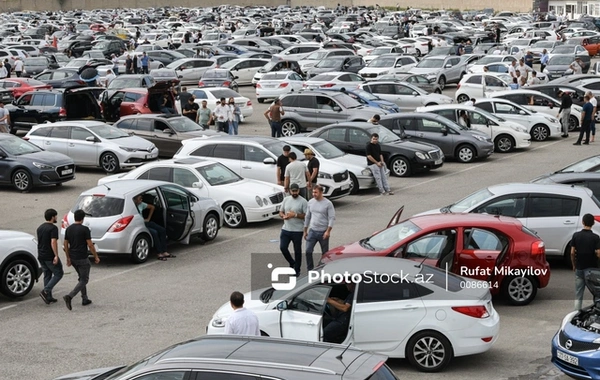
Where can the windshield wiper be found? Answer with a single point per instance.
(365, 243)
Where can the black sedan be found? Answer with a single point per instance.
(25, 165)
(402, 157)
(61, 78)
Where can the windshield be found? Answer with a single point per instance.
(488, 59)
(346, 101)
(108, 132)
(224, 93)
(36, 62)
(470, 201)
(163, 73)
(208, 74)
(119, 83)
(217, 174)
(316, 56)
(380, 51)
(430, 64)
(101, 45)
(15, 147)
(390, 236)
(230, 64)
(363, 94)
(383, 62)
(587, 165)
(520, 43)
(184, 124)
(328, 150)
(562, 50)
(560, 61)
(385, 135)
(329, 63)
(77, 63)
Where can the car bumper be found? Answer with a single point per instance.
(137, 158)
(52, 177)
(523, 142)
(485, 152)
(587, 366)
(335, 190)
(426, 165)
(247, 111)
(271, 93)
(262, 214)
(469, 340)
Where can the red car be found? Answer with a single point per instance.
(132, 101)
(19, 86)
(499, 250)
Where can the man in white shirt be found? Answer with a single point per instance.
(109, 77)
(497, 51)
(3, 72)
(512, 69)
(575, 66)
(4, 119)
(242, 321)
(18, 67)
(223, 116)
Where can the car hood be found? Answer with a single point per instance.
(6, 235)
(46, 157)
(411, 145)
(133, 142)
(89, 374)
(349, 160)
(347, 251)
(254, 187)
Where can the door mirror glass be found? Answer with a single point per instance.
(283, 305)
(337, 108)
(415, 93)
(448, 66)
(168, 131)
(90, 139)
(444, 131)
(197, 185)
(269, 161)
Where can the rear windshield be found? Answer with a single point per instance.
(99, 206)
(383, 373)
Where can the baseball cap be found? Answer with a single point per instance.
(294, 186)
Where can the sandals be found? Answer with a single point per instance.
(162, 258)
(169, 256)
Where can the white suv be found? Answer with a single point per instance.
(19, 267)
(255, 157)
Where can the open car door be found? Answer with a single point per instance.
(301, 318)
(179, 214)
(396, 218)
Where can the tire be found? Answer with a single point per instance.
(539, 132)
(430, 104)
(260, 100)
(289, 128)
(419, 351)
(17, 279)
(504, 144)
(519, 290)
(210, 228)
(462, 98)
(442, 82)
(573, 123)
(354, 186)
(465, 154)
(400, 167)
(109, 163)
(140, 250)
(22, 180)
(234, 215)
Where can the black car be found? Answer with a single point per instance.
(590, 180)
(110, 47)
(62, 78)
(42, 106)
(34, 65)
(551, 89)
(403, 157)
(351, 64)
(164, 56)
(24, 165)
(76, 48)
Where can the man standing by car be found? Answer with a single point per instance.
(293, 209)
(313, 170)
(587, 112)
(296, 172)
(144, 61)
(242, 321)
(376, 164)
(78, 240)
(190, 109)
(18, 67)
(204, 115)
(282, 163)
(585, 251)
(184, 96)
(273, 115)
(594, 103)
(576, 66)
(4, 118)
(564, 112)
(47, 237)
(222, 114)
(318, 223)
(128, 64)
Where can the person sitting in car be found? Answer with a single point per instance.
(337, 329)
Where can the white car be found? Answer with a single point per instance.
(93, 143)
(297, 52)
(400, 319)
(273, 85)
(506, 135)
(19, 267)
(419, 45)
(214, 94)
(382, 50)
(256, 157)
(539, 125)
(388, 64)
(244, 68)
(477, 66)
(539, 102)
(332, 79)
(407, 96)
(472, 85)
(243, 200)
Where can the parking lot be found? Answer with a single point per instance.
(139, 309)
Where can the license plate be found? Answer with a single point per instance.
(567, 358)
(65, 172)
(148, 156)
(438, 162)
(277, 208)
(346, 187)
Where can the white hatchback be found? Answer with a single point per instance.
(273, 85)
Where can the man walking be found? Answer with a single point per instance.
(223, 116)
(282, 163)
(544, 58)
(293, 210)
(318, 223)
(296, 172)
(585, 251)
(564, 112)
(78, 240)
(128, 64)
(376, 164)
(18, 67)
(47, 237)
(242, 321)
(144, 62)
(594, 103)
(313, 169)
(4, 118)
(273, 115)
(586, 121)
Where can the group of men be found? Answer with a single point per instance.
(135, 65)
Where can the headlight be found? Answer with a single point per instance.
(259, 201)
(218, 323)
(42, 166)
(480, 138)
(551, 119)
(128, 149)
(324, 175)
(422, 156)
(265, 201)
(366, 172)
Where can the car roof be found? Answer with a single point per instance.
(420, 115)
(461, 220)
(512, 188)
(579, 176)
(124, 188)
(151, 116)
(235, 139)
(76, 123)
(302, 139)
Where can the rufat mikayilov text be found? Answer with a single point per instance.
(502, 271)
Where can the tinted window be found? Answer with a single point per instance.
(431, 126)
(204, 151)
(383, 289)
(233, 152)
(255, 154)
(184, 177)
(175, 197)
(166, 375)
(289, 101)
(485, 106)
(448, 114)
(60, 132)
(306, 102)
(541, 206)
(358, 136)
(78, 133)
(312, 300)
(508, 206)
(475, 79)
(482, 240)
(99, 206)
(41, 132)
(145, 125)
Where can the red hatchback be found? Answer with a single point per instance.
(507, 256)
(133, 101)
(19, 86)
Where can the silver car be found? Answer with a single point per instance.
(93, 143)
(442, 69)
(117, 227)
(190, 70)
(407, 96)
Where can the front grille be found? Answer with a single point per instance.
(434, 154)
(276, 198)
(339, 177)
(369, 75)
(576, 346)
(571, 368)
(60, 169)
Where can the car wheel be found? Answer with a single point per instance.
(22, 180)
(465, 154)
(519, 290)
(17, 279)
(539, 132)
(140, 249)
(417, 52)
(442, 82)
(462, 98)
(260, 100)
(109, 163)
(429, 351)
(400, 167)
(573, 123)
(354, 184)
(233, 215)
(289, 128)
(210, 228)
(504, 143)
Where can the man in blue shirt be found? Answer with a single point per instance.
(144, 62)
(586, 120)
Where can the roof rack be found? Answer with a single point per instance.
(249, 363)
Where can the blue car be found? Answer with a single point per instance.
(576, 346)
(366, 98)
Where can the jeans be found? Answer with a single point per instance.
(276, 129)
(593, 126)
(284, 242)
(167, 110)
(222, 126)
(311, 240)
(585, 129)
(335, 332)
(564, 120)
(580, 287)
(52, 275)
(233, 128)
(380, 178)
(82, 267)
(144, 69)
(159, 235)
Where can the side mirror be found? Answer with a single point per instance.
(197, 185)
(444, 131)
(234, 78)
(281, 306)
(398, 64)
(415, 93)
(90, 139)
(168, 130)
(521, 112)
(337, 109)
(269, 161)
(448, 66)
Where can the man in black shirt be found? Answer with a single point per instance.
(184, 96)
(47, 237)
(565, 109)
(78, 240)
(376, 164)
(282, 162)
(337, 329)
(190, 109)
(585, 251)
(313, 169)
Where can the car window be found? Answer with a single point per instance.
(229, 151)
(380, 290)
(382, 88)
(60, 132)
(481, 240)
(475, 79)
(78, 133)
(292, 101)
(487, 106)
(427, 125)
(199, 94)
(548, 206)
(506, 109)
(160, 126)
(127, 124)
(404, 90)
(448, 114)
(326, 103)
(477, 118)
(165, 375)
(159, 174)
(145, 125)
(493, 82)
(99, 206)
(508, 206)
(254, 154)
(358, 136)
(334, 134)
(184, 177)
(38, 100)
(175, 198)
(204, 151)
(312, 300)
(41, 132)
(132, 97)
(515, 98)
(430, 246)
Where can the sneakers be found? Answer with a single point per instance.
(45, 297)
(67, 299)
(86, 302)
(390, 192)
(53, 300)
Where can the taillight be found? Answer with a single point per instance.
(226, 83)
(458, 86)
(472, 311)
(62, 112)
(487, 339)
(200, 84)
(249, 104)
(284, 84)
(379, 365)
(121, 224)
(304, 85)
(369, 51)
(65, 221)
(597, 218)
(258, 85)
(538, 248)
(328, 85)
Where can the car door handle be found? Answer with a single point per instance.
(246, 167)
(568, 222)
(71, 145)
(310, 323)
(48, 143)
(409, 307)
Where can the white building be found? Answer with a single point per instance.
(574, 9)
